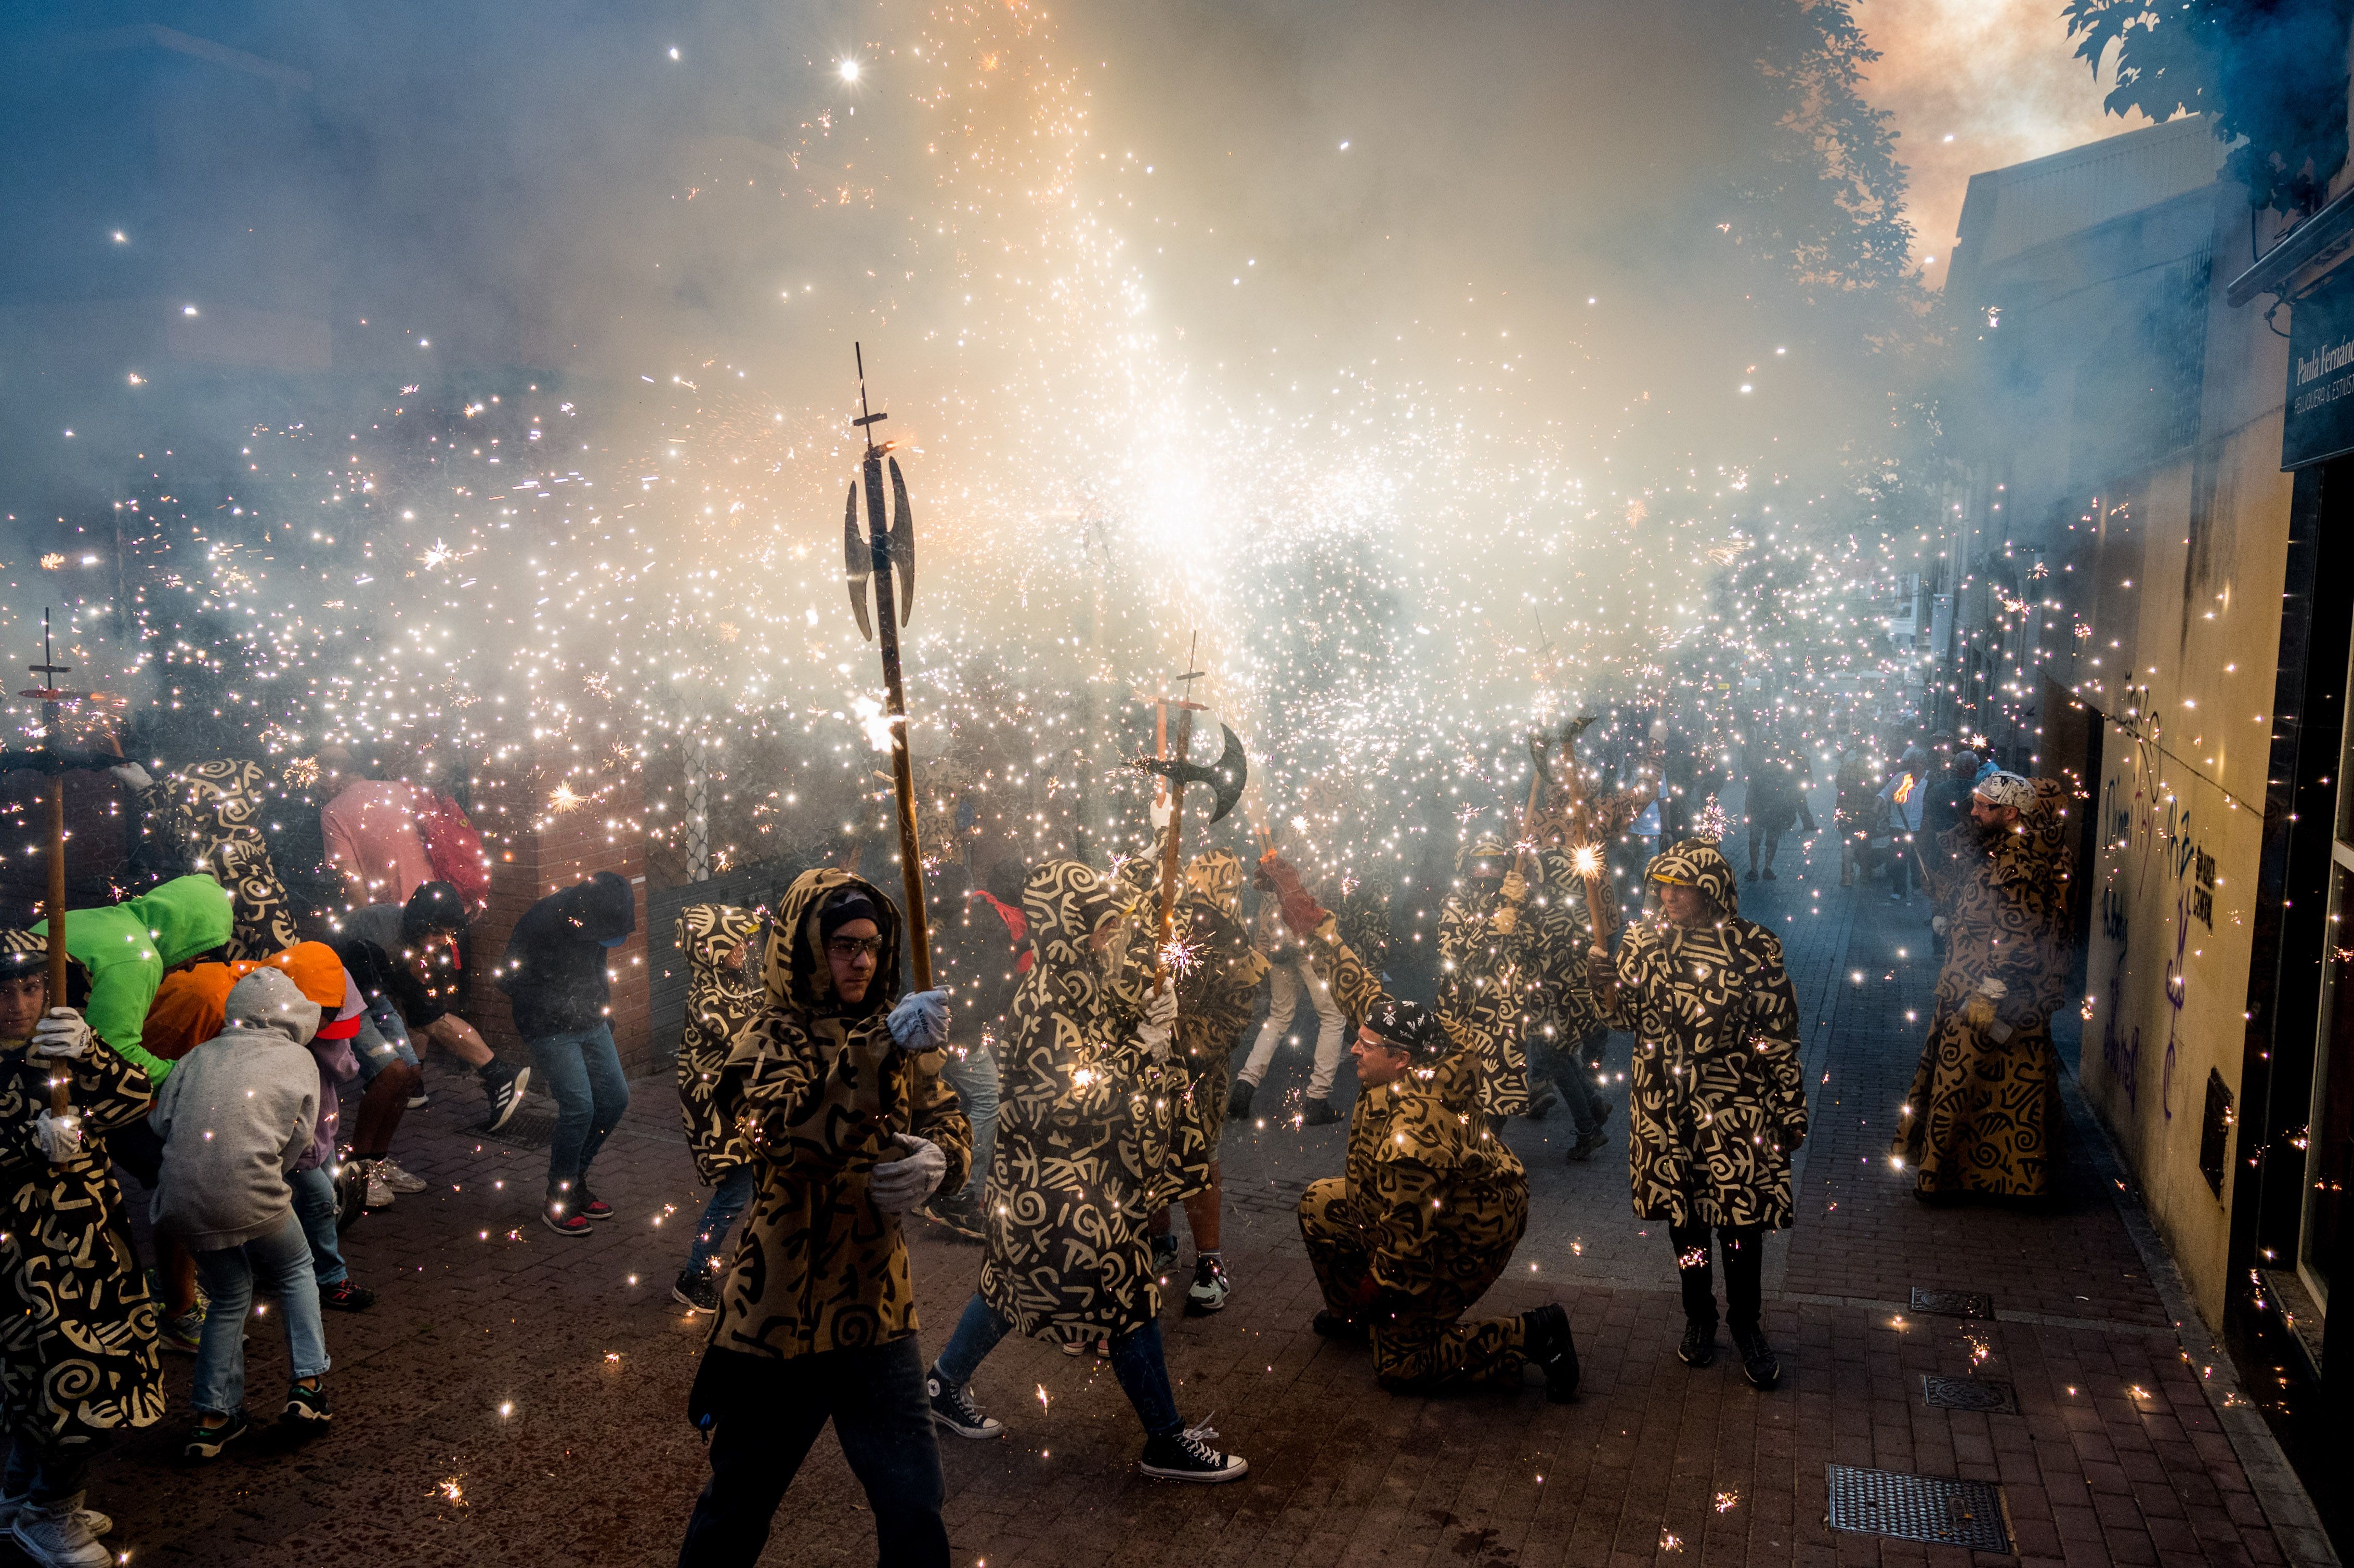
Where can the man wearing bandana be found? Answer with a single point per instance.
(1984, 1108)
(1432, 1203)
(1715, 1105)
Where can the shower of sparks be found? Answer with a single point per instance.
(1727, 1501)
(1046, 1401)
(452, 1490)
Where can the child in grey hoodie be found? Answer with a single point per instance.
(236, 1115)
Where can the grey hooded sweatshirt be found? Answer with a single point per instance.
(236, 1114)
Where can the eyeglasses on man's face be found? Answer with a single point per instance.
(849, 948)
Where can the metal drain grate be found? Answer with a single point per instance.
(1952, 1303)
(534, 1127)
(1918, 1508)
(1968, 1393)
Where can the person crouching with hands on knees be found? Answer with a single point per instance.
(836, 1085)
(1433, 1203)
(74, 1308)
(1716, 1106)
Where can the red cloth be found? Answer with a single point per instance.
(1016, 926)
(456, 851)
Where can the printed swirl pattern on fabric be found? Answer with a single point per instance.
(1715, 1103)
(1087, 1136)
(77, 1327)
(209, 815)
(1428, 1214)
(816, 1090)
(722, 1001)
(1983, 1115)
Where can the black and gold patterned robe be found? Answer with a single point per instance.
(1428, 1214)
(721, 1003)
(1983, 1115)
(1715, 1103)
(1485, 987)
(819, 1090)
(77, 1326)
(208, 816)
(1089, 1140)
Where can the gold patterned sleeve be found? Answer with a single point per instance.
(1356, 990)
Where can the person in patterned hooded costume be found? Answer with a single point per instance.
(77, 1326)
(208, 817)
(1715, 1106)
(1432, 1203)
(836, 1089)
(1089, 1148)
(1562, 1025)
(723, 996)
(1486, 982)
(1983, 1115)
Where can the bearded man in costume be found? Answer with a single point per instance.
(1983, 1115)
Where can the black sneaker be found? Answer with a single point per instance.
(1209, 1289)
(697, 1289)
(1187, 1456)
(1319, 1113)
(1547, 1343)
(1164, 1255)
(591, 1207)
(1759, 1365)
(1539, 1109)
(1582, 1150)
(307, 1409)
(957, 1215)
(505, 1087)
(204, 1443)
(343, 1296)
(1238, 1098)
(1698, 1349)
(953, 1408)
(559, 1218)
(1333, 1326)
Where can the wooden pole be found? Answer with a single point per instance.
(1169, 849)
(903, 772)
(60, 1102)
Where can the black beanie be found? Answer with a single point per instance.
(850, 903)
(434, 906)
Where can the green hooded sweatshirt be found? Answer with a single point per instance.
(126, 949)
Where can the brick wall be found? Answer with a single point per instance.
(535, 851)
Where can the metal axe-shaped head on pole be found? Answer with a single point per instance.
(892, 548)
(1226, 777)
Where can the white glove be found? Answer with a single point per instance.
(1937, 923)
(1159, 1018)
(130, 773)
(1161, 812)
(63, 1033)
(1993, 988)
(57, 1136)
(899, 1185)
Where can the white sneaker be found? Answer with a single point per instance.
(56, 1537)
(13, 1503)
(394, 1177)
(379, 1194)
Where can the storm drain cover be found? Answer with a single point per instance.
(1968, 1393)
(534, 1127)
(1918, 1508)
(1952, 1303)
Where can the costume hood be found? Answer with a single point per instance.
(1696, 862)
(268, 1000)
(797, 973)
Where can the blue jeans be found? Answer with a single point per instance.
(874, 1397)
(972, 1073)
(280, 1263)
(315, 1205)
(728, 1200)
(1564, 1063)
(1136, 1361)
(385, 1042)
(583, 1070)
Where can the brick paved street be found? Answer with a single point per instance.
(518, 1398)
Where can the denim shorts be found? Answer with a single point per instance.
(382, 1039)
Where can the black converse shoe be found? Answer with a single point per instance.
(1698, 1349)
(1547, 1343)
(1759, 1365)
(1238, 1098)
(1209, 1289)
(953, 1408)
(697, 1289)
(1187, 1456)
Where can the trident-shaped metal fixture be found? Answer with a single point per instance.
(880, 554)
